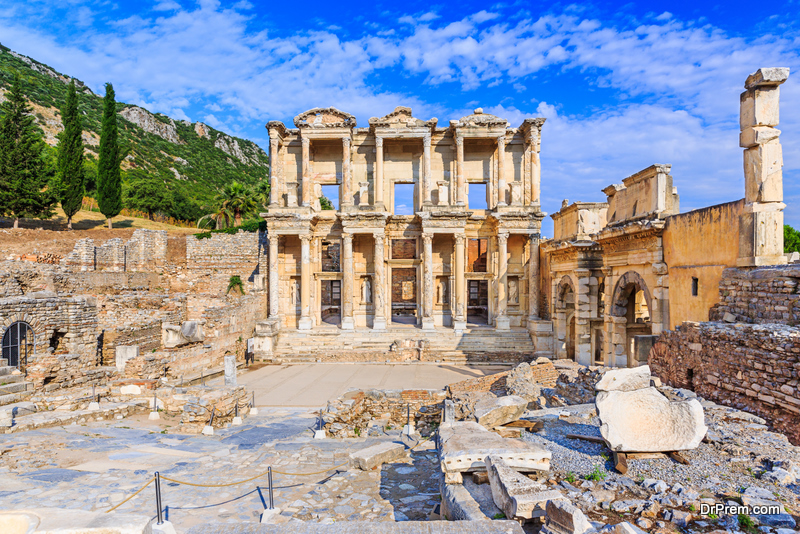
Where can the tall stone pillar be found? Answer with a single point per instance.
(274, 301)
(274, 189)
(761, 223)
(306, 185)
(379, 304)
(347, 192)
(377, 183)
(533, 278)
(305, 283)
(460, 319)
(426, 170)
(583, 313)
(501, 171)
(347, 282)
(502, 321)
(461, 187)
(427, 282)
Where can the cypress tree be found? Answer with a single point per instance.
(109, 180)
(70, 157)
(24, 173)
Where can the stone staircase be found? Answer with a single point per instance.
(477, 345)
(13, 388)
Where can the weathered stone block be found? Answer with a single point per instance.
(376, 455)
(124, 353)
(645, 421)
(565, 518)
(495, 411)
(759, 107)
(517, 495)
(763, 172)
(629, 379)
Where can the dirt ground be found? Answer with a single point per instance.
(36, 236)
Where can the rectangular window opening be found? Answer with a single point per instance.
(477, 196)
(404, 199)
(694, 286)
(330, 197)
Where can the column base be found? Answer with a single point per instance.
(503, 323)
(459, 325)
(379, 324)
(348, 323)
(428, 324)
(305, 323)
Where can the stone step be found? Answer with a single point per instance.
(3, 362)
(11, 398)
(6, 370)
(14, 387)
(11, 379)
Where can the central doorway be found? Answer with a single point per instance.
(478, 302)
(404, 296)
(331, 302)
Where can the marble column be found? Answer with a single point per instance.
(305, 284)
(460, 321)
(501, 171)
(461, 187)
(347, 193)
(377, 182)
(274, 190)
(306, 185)
(347, 282)
(427, 282)
(536, 177)
(379, 302)
(426, 170)
(533, 278)
(274, 302)
(502, 322)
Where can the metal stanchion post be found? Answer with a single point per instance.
(253, 403)
(269, 479)
(408, 414)
(202, 377)
(159, 512)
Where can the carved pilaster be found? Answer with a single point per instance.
(379, 321)
(347, 282)
(533, 278)
(378, 180)
(461, 188)
(347, 194)
(503, 323)
(305, 283)
(427, 281)
(306, 185)
(426, 170)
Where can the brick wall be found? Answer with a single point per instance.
(764, 295)
(404, 249)
(750, 367)
(476, 255)
(401, 278)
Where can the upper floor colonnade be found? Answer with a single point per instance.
(326, 148)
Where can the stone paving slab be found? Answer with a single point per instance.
(407, 527)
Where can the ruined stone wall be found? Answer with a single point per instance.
(751, 367)
(55, 371)
(67, 324)
(232, 254)
(542, 372)
(145, 251)
(763, 295)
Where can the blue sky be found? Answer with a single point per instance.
(622, 87)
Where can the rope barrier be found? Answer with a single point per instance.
(132, 496)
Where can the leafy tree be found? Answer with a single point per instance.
(325, 203)
(145, 192)
(109, 179)
(237, 199)
(25, 173)
(791, 239)
(70, 157)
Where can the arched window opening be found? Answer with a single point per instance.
(18, 344)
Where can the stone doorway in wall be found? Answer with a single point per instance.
(478, 302)
(331, 313)
(404, 296)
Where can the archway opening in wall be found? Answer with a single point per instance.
(478, 302)
(18, 343)
(565, 318)
(632, 301)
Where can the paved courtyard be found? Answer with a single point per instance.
(313, 385)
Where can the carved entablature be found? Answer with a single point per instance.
(401, 118)
(480, 125)
(531, 129)
(363, 222)
(322, 118)
(521, 222)
(277, 130)
(638, 236)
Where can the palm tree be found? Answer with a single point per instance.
(221, 218)
(262, 192)
(237, 199)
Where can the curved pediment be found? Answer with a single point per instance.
(325, 118)
(401, 117)
(481, 119)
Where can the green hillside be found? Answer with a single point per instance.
(194, 160)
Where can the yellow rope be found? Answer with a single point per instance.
(265, 473)
(132, 496)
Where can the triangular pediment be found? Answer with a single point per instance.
(325, 118)
(479, 118)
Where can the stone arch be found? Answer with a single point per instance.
(564, 284)
(40, 331)
(565, 317)
(18, 343)
(619, 301)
